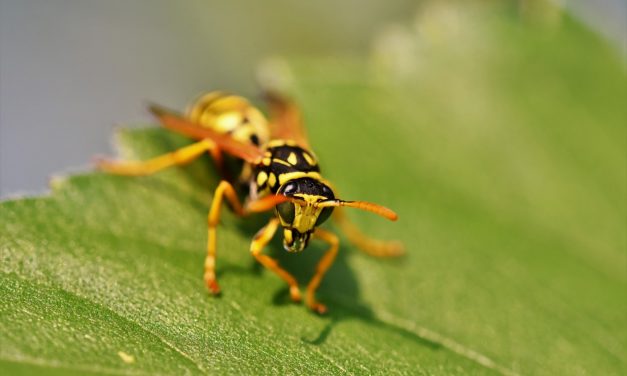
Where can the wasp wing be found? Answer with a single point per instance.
(285, 120)
(173, 121)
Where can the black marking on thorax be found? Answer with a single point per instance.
(280, 160)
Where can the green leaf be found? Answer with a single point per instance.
(501, 146)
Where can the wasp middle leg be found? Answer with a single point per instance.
(371, 246)
(225, 189)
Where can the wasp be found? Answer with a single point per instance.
(279, 172)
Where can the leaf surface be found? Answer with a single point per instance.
(503, 151)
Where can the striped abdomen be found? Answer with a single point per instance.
(230, 114)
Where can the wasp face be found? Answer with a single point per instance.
(299, 219)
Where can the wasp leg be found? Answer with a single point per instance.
(216, 154)
(373, 247)
(139, 168)
(225, 189)
(322, 267)
(260, 240)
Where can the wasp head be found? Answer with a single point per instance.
(300, 216)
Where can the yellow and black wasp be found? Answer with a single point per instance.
(279, 172)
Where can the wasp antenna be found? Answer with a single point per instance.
(266, 203)
(157, 110)
(373, 208)
(363, 205)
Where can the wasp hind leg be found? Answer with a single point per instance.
(181, 156)
(261, 239)
(371, 246)
(225, 189)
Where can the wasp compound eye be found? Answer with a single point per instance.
(323, 216)
(286, 211)
(328, 193)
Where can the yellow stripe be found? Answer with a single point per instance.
(297, 175)
(261, 178)
(280, 161)
(309, 159)
(310, 198)
(272, 180)
(292, 159)
(276, 143)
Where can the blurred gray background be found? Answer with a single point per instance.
(72, 69)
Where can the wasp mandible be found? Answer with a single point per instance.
(280, 173)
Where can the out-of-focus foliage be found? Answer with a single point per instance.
(501, 145)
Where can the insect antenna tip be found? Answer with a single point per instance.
(156, 109)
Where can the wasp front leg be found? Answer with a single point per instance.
(181, 156)
(256, 247)
(226, 190)
(321, 269)
(371, 246)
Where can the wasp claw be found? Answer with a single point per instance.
(213, 287)
(295, 294)
(316, 306)
(319, 308)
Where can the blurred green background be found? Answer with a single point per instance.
(70, 69)
(495, 129)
